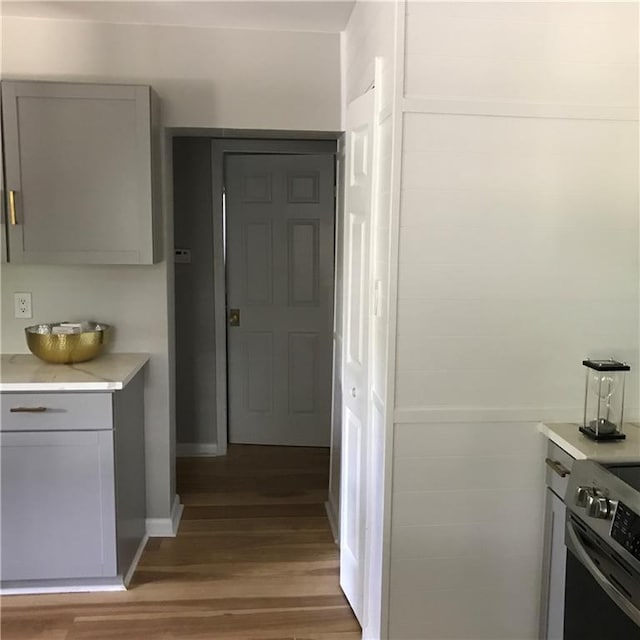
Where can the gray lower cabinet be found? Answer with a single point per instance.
(73, 486)
(79, 179)
(57, 505)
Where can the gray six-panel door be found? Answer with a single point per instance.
(280, 237)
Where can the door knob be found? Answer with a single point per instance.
(234, 317)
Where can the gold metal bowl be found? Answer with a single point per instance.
(67, 348)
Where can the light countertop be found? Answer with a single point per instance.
(109, 372)
(576, 444)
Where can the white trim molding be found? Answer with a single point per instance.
(333, 520)
(136, 558)
(475, 107)
(196, 449)
(417, 415)
(166, 527)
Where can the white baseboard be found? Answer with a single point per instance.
(333, 523)
(136, 558)
(62, 588)
(196, 449)
(166, 527)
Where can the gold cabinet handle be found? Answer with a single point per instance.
(27, 409)
(13, 218)
(558, 467)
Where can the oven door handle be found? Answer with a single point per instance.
(610, 589)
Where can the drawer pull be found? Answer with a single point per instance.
(558, 467)
(27, 409)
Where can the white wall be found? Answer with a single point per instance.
(205, 78)
(547, 53)
(518, 257)
(370, 33)
(466, 531)
(228, 78)
(518, 235)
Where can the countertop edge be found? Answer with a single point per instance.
(144, 358)
(567, 437)
(561, 442)
(18, 387)
(137, 362)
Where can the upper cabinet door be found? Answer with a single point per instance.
(3, 228)
(78, 173)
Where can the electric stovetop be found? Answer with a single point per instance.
(629, 473)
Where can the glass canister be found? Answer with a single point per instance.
(604, 399)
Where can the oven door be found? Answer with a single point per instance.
(602, 592)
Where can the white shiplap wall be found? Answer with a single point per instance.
(518, 256)
(466, 545)
(550, 53)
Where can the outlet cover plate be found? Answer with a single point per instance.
(22, 305)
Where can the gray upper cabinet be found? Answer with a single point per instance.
(3, 228)
(79, 183)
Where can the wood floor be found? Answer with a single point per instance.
(254, 559)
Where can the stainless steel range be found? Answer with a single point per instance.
(602, 593)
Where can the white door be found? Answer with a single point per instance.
(355, 391)
(280, 235)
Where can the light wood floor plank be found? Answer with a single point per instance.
(277, 524)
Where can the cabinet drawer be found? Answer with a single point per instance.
(559, 465)
(56, 411)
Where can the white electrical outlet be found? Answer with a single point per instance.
(22, 305)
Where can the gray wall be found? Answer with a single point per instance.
(194, 299)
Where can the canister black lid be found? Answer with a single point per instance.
(606, 365)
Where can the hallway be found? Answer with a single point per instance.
(254, 559)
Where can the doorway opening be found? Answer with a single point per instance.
(282, 265)
(284, 253)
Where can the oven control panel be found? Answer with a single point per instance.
(625, 529)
